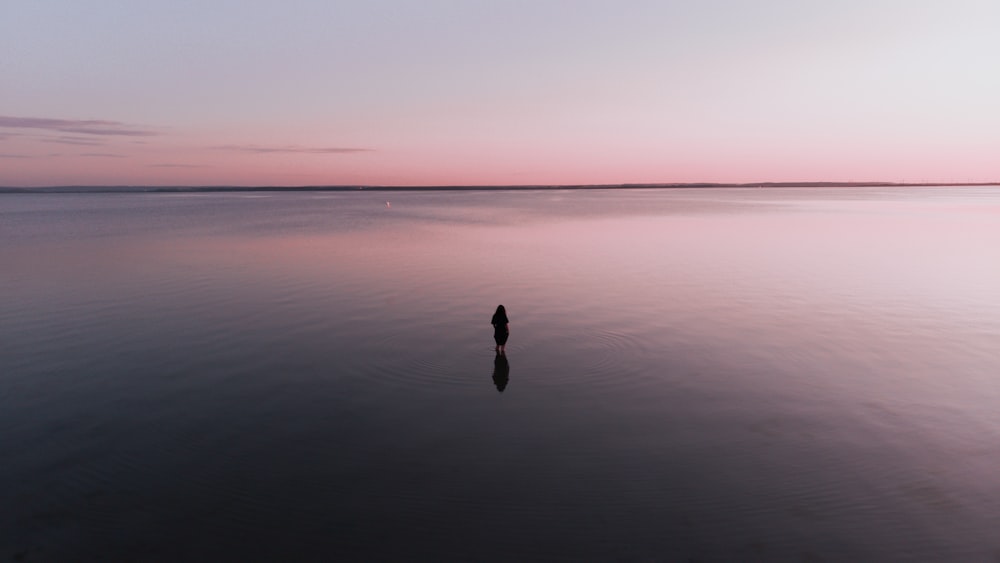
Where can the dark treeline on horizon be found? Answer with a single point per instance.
(173, 189)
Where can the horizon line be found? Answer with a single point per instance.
(97, 188)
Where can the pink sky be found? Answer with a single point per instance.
(476, 92)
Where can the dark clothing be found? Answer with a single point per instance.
(500, 335)
(500, 332)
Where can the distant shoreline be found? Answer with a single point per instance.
(216, 189)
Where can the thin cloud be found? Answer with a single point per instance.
(167, 165)
(66, 140)
(75, 126)
(2, 155)
(256, 149)
(103, 155)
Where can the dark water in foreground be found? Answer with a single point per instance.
(715, 375)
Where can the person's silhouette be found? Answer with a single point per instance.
(501, 371)
(501, 329)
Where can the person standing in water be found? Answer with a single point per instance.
(501, 329)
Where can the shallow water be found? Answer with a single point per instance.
(713, 374)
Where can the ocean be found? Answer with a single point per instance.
(725, 374)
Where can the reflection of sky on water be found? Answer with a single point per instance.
(749, 362)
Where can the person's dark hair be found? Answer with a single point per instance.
(501, 310)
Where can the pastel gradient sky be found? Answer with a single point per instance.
(392, 92)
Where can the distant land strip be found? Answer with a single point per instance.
(175, 189)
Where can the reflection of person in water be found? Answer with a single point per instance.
(501, 371)
(501, 329)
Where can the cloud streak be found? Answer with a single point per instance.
(103, 155)
(75, 126)
(293, 149)
(67, 140)
(168, 165)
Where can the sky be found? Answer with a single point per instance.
(502, 92)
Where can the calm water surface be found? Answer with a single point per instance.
(714, 375)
